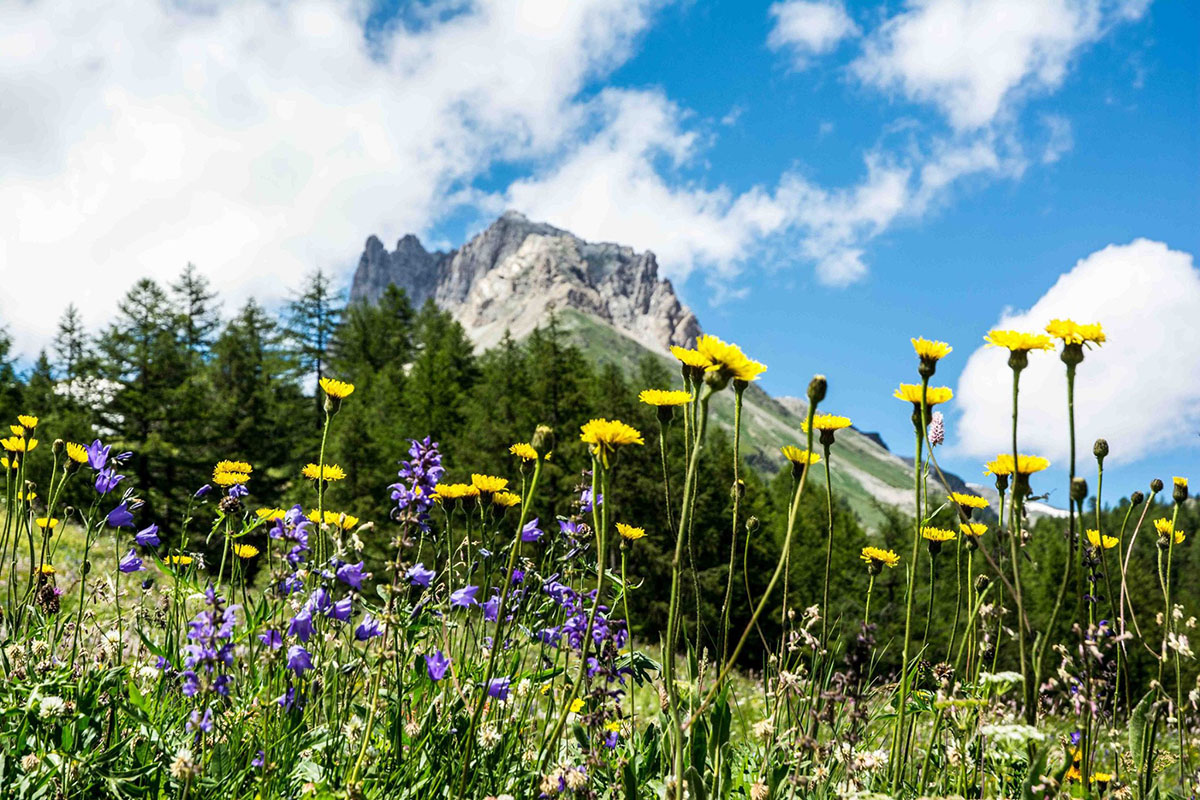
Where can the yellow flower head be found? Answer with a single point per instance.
(911, 392)
(973, 529)
(798, 455)
(969, 500)
(245, 550)
(523, 451)
(334, 519)
(179, 560)
(77, 452)
(577, 705)
(325, 472)
(47, 569)
(928, 350)
(28, 421)
(629, 532)
(690, 358)
(1166, 527)
(47, 522)
(1026, 465)
(1016, 341)
(664, 397)
(19, 444)
(233, 466)
(826, 422)
(932, 534)
(270, 514)
(728, 359)
(338, 390)
(488, 484)
(454, 491)
(1071, 332)
(1178, 481)
(605, 436)
(225, 478)
(28, 498)
(10, 465)
(1106, 542)
(506, 499)
(879, 557)
(612, 726)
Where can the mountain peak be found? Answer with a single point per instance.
(517, 271)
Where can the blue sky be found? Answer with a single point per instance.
(822, 179)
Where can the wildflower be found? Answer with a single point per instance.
(342, 609)
(301, 625)
(351, 575)
(878, 558)
(98, 454)
(506, 499)
(28, 421)
(201, 723)
(1166, 528)
(973, 530)
(11, 465)
(630, 532)
(911, 392)
(498, 688)
(455, 491)
(130, 563)
(531, 532)
(120, 517)
(226, 478)
(1106, 542)
(937, 429)
(47, 522)
(488, 484)
(972, 501)
(488, 737)
(691, 358)
(464, 597)
(47, 569)
(577, 705)
(585, 502)
(298, 660)
(664, 397)
(338, 390)
(491, 608)
(244, 551)
(1071, 332)
(77, 453)
(368, 629)
(269, 514)
(52, 707)
(523, 451)
(1180, 491)
(324, 472)
(182, 561)
(184, 766)
(1025, 465)
(107, 480)
(436, 665)
(19, 444)
(1017, 341)
(209, 648)
(605, 436)
(936, 538)
(801, 459)
(272, 639)
(930, 352)
(203, 490)
(727, 361)
(417, 575)
(147, 537)
(826, 422)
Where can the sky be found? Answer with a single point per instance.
(821, 180)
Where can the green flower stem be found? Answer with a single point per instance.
(1014, 533)
(932, 589)
(828, 548)
(867, 606)
(739, 389)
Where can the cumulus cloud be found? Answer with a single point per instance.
(1140, 390)
(809, 27)
(975, 58)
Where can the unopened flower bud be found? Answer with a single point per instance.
(817, 388)
(982, 582)
(1156, 485)
(58, 446)
(1100, 448)
(751, 524)
(1136, 499)
(543, 439)
(738, 490)
(716, 380)
(1180, 492)
(1079, 489)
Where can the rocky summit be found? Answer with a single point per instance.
(514, 273)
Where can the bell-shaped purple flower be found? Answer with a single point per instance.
(368, 628)
(498, 688)
(464, 597)
(298, 660)
(491, 609)
(271, 638)
(107, 480)
(98, 454)
(342, 609)
(531, 532)
(147, 537)
(417, 575)
(130, 562)
(120, 517)
(351, 575)
(436, 665)
(301, 625)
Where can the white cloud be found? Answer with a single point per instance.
(1140, 390)
(975, 58)
(809, 27)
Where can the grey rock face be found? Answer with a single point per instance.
(516, 272)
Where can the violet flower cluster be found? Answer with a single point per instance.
(419, 476)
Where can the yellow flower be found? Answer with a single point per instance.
(28, 421)
(334, 519)
(826, 422)
(47, 522)
(47, 569)
(1016, 341)
(1166, 527)
(577, 705)
(454, 491)
(605, 436)
(222, 478)
(233, 466)
(880, 557)
(180, 560)
(1102, 777)
(1026, 465)
(77, 453)
(690, 358)
(1107, 542)
(629, 532)
(506, 499)
(1073, 774)
(969, 500)
(975, 529)
(325, 472)
(612, 726)
(270, 513)
(929, 350)
(10, 465)
(728, 359)
(1180, 481)
(932, 534)
(664, 397)
(797, 455)
(1071, 332)
(245, 550)
(488, 484)
(28, 498)
(19, 444)
(338, 390)
(911, 392)
(523, 451)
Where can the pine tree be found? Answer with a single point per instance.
(443, 372)
(10, 385)
(311, 318)
(72, 349)
(199, 318)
